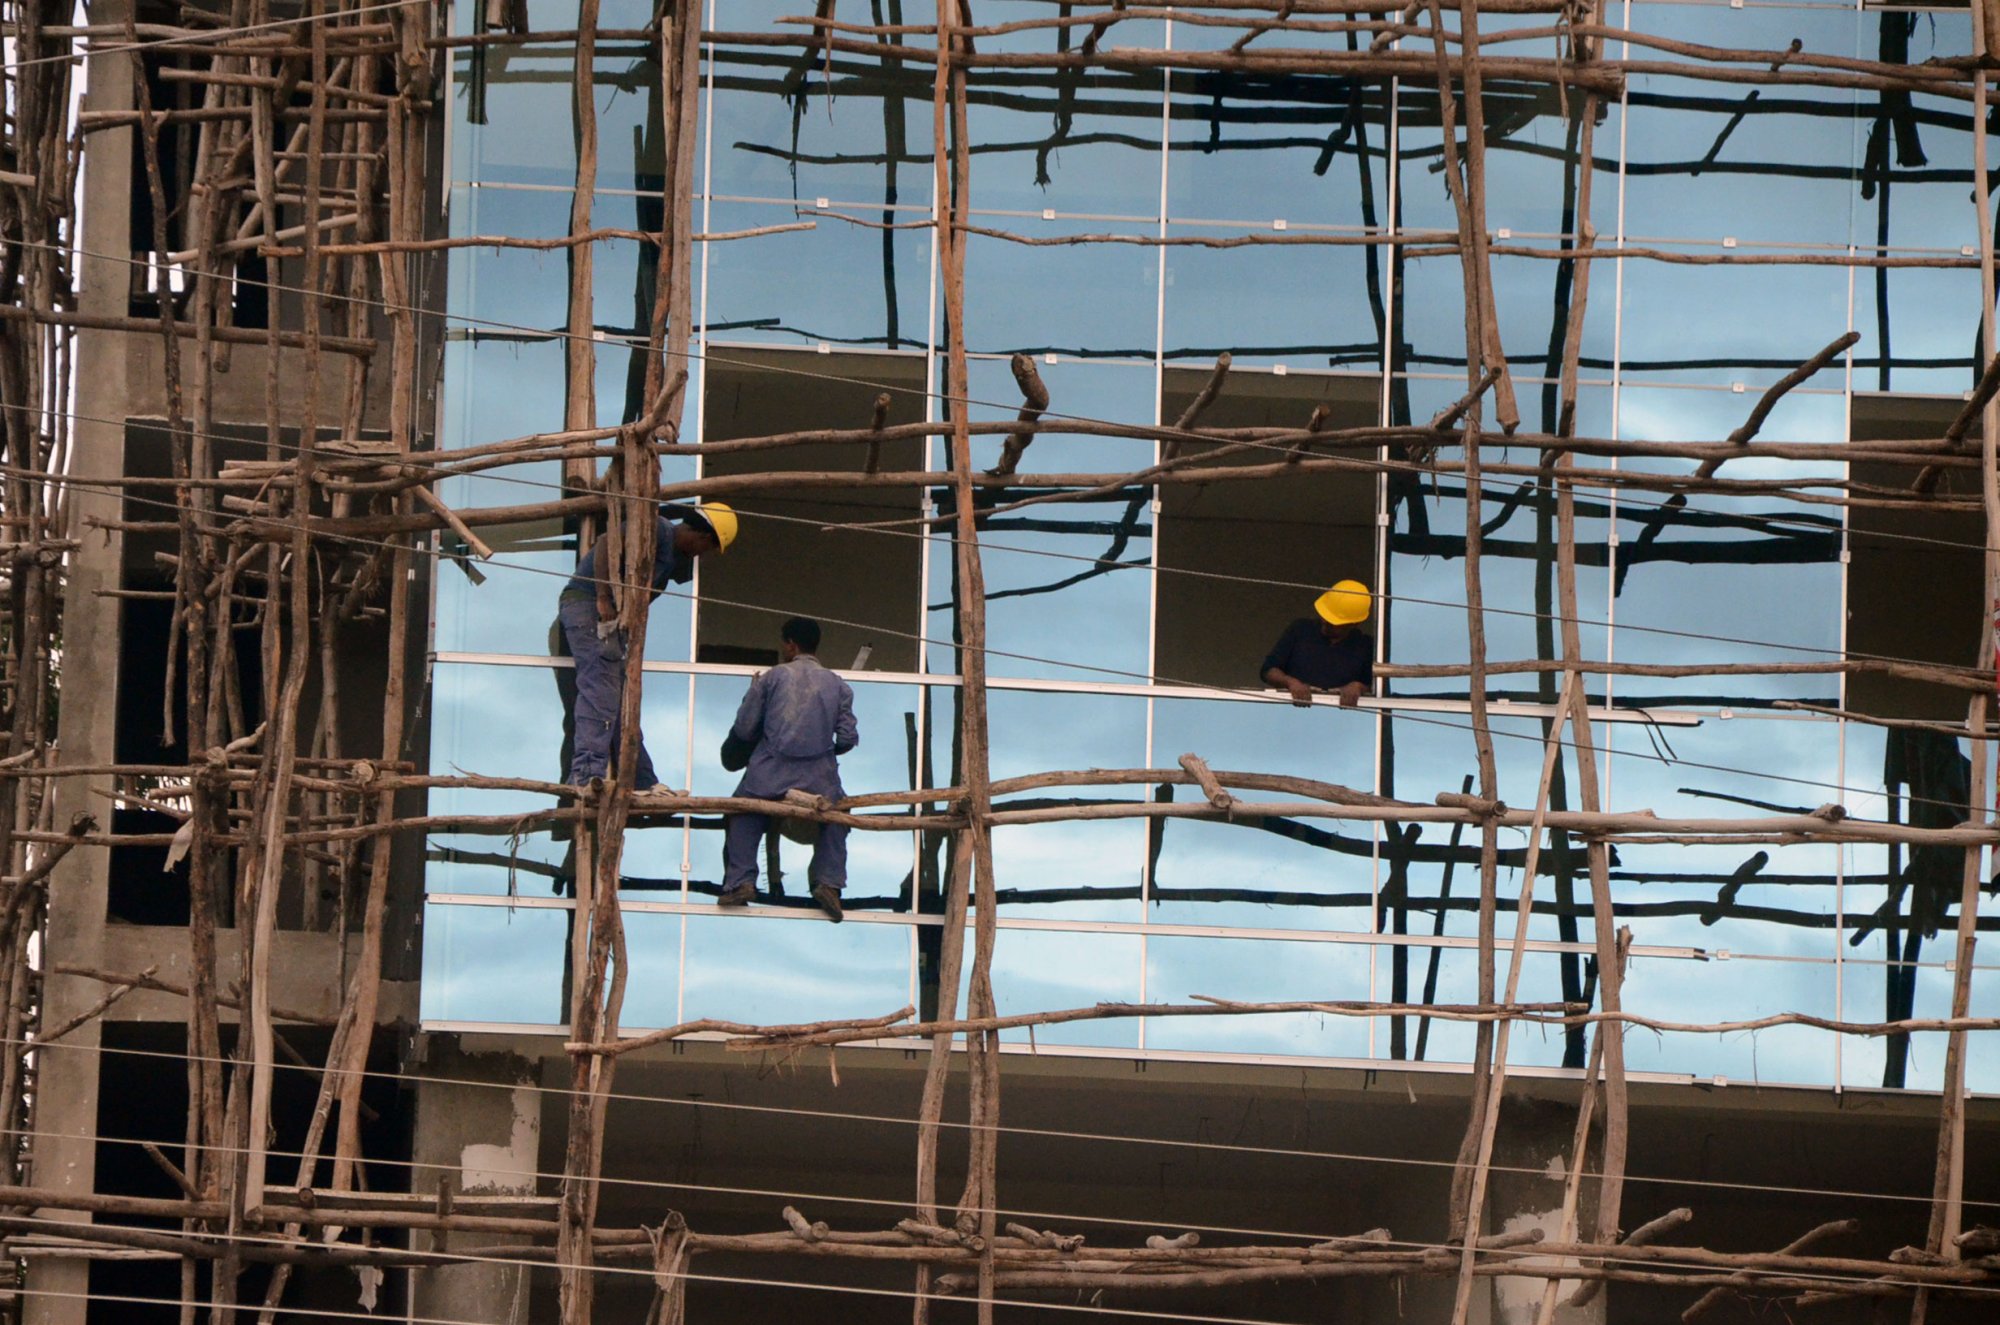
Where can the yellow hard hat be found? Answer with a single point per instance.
(1344, 604)
(722, 519)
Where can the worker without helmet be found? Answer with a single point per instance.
(795, 723)
(1326, 651)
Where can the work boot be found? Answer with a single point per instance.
(828, 900)
(741, 895)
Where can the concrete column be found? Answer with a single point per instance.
(66, 1083)
(1532, 1153)
(484, 1138)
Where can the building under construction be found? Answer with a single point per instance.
(1614, 958)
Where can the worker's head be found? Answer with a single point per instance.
(1342, 608)
(709, 527)
(797, 636)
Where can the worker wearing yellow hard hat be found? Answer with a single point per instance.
(588, 631)
(1326, 652)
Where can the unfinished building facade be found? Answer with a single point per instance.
(1614, 957)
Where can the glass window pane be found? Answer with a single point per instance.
(1915, 1062)
(1258, 971)
(1530, 138)
(1673, 989)
(1251, 556)
(1424, 593)
(1759, 322)
(1082, 869)
(798, 553)
(494, 964)
(469, 735)
(1764, 898)
(1316, 305)
(1068, 584)
(1707, 160)
(1097, 301)
(653, 982)
(1039, 970)
(779, 129)
(1918, 326)
(835, 283)
(1080, 141)
(1781, 558)
(1255, 149)
(1265, 872)
(513, 113)
(772, 971)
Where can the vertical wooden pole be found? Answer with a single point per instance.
(952, 150)
(405, 204)
(1610, 952)
(1948, 1182)
(1468, 198)
(1489, 1115)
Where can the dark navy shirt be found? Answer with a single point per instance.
(1305, 652)
(667, 567)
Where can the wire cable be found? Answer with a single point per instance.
(1040, 1133)
(1607, 750)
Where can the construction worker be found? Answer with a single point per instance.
(1325, 651)
(587, 618)
(795, 723)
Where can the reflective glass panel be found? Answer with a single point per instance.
(514, 105)
(1254, 149)
(1918, 326)
(1758, 322)
(836, 283)
(507, 722)
(1915, 1062)
(1081, 869)
(801, 123)
(1039, 970)
(1259, 971)
(1767, 898)
(1676, 990)
(524, 288)
(1265, 872)
(1706, 159)
(1780, 558)
(1915, 150)
(1425, 590)
(494, 964)
(1068, 584)
(1080, 141)
(653, 982)
(766, 970)
(1533, 140)
(1317, 305)
(1094, 301)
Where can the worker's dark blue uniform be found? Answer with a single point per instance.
(799, 717)
(600, 664)
(1305, 652)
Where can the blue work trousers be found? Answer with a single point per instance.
(600, 692)
(768, 778)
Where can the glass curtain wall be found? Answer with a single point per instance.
(1128, 629)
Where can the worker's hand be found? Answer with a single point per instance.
(1350, 694)
(1302, 694)
(611, 638)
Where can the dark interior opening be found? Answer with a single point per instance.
(1306, 529)
(1897, 552)
(862, 585)
(143, 1097)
